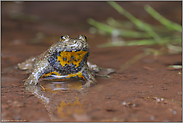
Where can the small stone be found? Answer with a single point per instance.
(9, 101)
(158, 100)
(16, 103)
(152, 117)
(174, 112)
(124, 103)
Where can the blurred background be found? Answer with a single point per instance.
(57, 18)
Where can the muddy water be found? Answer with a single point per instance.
(146, 91)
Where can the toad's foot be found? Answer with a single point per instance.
(27, 65)
(90, 80)
(31, 81)
(89, 83)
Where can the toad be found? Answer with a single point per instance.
(64, 60)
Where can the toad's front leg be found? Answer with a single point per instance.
(40, 67)
(90, 80)
(93, 67)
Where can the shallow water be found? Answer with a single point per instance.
(145, 91)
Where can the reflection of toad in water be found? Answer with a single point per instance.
(61, 99)
(74, 109)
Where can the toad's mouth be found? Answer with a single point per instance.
(74, 57)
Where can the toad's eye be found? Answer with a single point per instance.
(82, 37)
(64, 38)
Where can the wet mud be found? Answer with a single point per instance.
(145, 91)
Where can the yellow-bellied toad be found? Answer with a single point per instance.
(65, 59)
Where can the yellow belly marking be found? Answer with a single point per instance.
(49, 74)
(71, 57)
(79, 74)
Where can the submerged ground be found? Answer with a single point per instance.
(145, 91)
